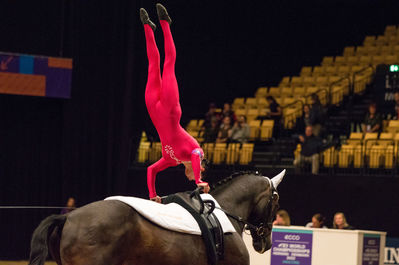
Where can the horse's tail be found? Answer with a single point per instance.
(39, 243)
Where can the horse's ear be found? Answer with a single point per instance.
(277, 179)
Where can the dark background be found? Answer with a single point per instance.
(52, 148)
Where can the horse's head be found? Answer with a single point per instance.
(262, 215)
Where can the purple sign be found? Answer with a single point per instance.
(371, 249)
(291, 246)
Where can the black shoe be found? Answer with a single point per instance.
(145, 19)
(163, 13)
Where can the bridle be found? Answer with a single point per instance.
(260, 229)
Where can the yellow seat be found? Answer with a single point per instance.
(389, 157)
(266, 129)
(327, 61)
(371, 50)
(200, 123)
(254, 126)
(155, 152)
(309, 80)
(377, 59)
(345, 157)
(299, 91)
(232, 153)
(330, 157)
(262, 103)
(240, 112)
(365, 60)
(369, 41)
(311, 89)
(331, 70)
(385, 50)
(245, 156)
(286, 91)
(391, 59)
(288, 100)
(252, 114)
(352, 60)
(192, 124)
(369, 140)
(355, 138)
(238, 103)
(144, 150)
(375, 157)
(274, 91)
(322, 81)
(349, 51)
(318, 71)
(340, 61)
(296, 81)
(285, 81)
(381, 40)
(251, 103)
(306, 71)
(261, 92)
(208, 150)
(219, 153)
(360, 51)
(358, 157)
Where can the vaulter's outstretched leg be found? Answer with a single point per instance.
(154, 82)
(170, 90)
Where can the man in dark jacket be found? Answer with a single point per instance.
(310, 149)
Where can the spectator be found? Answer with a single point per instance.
(224, 130)
(340, 222)
(395, 112)
(211, 132)
(240, 131)
(70, 206)
(282, 218)
(316, 114)
(305, 120)
(210, 116)
(373, 120)
(228, 112)
(311, 146)
(275, 110)
(318, 221)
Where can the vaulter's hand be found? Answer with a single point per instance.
(205, 187)
(156, 199)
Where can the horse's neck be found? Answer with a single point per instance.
(234, 201)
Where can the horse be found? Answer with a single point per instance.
(110, 232)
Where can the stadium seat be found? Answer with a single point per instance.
(376, 154)
(251, 103)
(261, 92)
(327, 61)
(274, 91)
(355, 138)
(155, 152)
(345, 157)
(144, 150)
(219, 153)
(306, 71)
(329, 157)
(238, 103)
(300, 90)
(369, 41)
(240, 112)
(389, 157)
(360, 51)
(286, 91)
(365, 60)
(340, 61)
(377, 59)
(381, 40)
(200, 123)
(358, 157)
(311, 90)
(296, 81)
(262, 103)
(252, 114)
(349, 51)
(318, 71)
(352, 60)
(208, 150)
(391, 59)
(266, 129)
(331, 70)
(232, 153)
(246, 154)
(192, 124)
(285, 81)
(322, 81)
(309, 81)
(371, 50)
(393, 126)
(385, 50)
(254, 126)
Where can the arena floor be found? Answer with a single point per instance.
(23, 262)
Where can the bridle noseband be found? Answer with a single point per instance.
(260, 229)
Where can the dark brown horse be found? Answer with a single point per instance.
(112, 233)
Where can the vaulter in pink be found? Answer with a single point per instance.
(162, 100)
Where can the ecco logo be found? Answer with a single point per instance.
(292, 237)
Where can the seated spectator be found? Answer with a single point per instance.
(275, 110)
(311, 147)
(316, 114)
(224, 130)
(228, 112)
(211, 132)
(210, 116)
(240, 131)
(340, 222)
(318, 221)
(70, 206)
(282, 218)
(373, 120)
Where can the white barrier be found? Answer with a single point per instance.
(307, 246)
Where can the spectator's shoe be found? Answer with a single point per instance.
(163, 13)
(145, 19)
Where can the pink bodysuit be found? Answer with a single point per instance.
(162, 100)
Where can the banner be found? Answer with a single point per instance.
(391, 255)
(291, 246)
(35, 75)
(371, 249)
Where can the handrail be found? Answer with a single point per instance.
(289, 105)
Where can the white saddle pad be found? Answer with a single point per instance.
(173, 216)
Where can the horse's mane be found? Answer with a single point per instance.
(222, 182)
